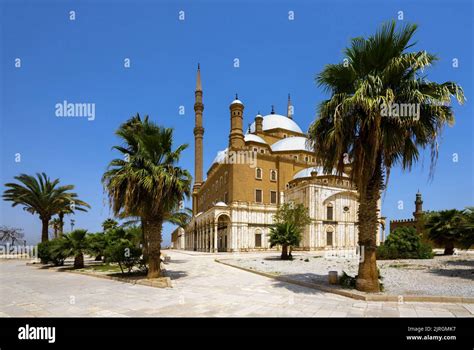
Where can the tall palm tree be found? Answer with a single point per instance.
(39, 195)
(55, 224)
(176, 216)
(147, 183)
(71, 204)
(353, 124)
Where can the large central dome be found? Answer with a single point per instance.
(274, 121)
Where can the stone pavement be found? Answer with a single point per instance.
(202, 287)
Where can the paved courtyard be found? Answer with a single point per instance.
(202, 287)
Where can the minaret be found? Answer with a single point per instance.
(236, 137)
(198, 136)
(290, 108)
(418, 205)
(418, 213)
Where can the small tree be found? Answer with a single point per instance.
(54, 251)
(124, 253)
(109, 224)
(10, 234)
(285, 234)
(404, 243)
(295, 214)
(76, 245)
(445, 228)
(467, 228)
(96, 244)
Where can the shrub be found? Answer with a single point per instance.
(96, 244)
(286, 235)
(347, 281)
(52, 252)
(125, 254)
(404, 243)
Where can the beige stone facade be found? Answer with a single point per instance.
(270, 164)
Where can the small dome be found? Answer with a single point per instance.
(296, 143)
(274, 121)
(236, 102)
(254, 138)
(318, 169)
(220, 204)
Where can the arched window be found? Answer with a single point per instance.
(273, 175)
(258, 173)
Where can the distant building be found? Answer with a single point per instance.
(416, 222)
(270, 164)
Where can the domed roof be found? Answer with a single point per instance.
(318, 169)
(296, 143)
(236, 101)
(220, 204)
(254, 138)
(274, 121)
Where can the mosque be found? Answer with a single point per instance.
(270, 164)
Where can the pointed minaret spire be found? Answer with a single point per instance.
(289, 112)
(198, 79)
(198, 137)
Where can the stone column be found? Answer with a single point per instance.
(215, 236)
(199, 239)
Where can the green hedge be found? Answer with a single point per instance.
(404, 243)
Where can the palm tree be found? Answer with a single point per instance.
(353, 125)
(285, 234)
(177, 216)
(467, 234)
(39, 195)
(109, 223)
(445, 228)
(75, 245)
(147, 183)
(55, 224)
(71, 203)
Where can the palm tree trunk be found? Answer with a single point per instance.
(61, 224)
(368, 277)
(44, 229)
(449, 248)
(145, 242)
(79, 261)
(153, 230)
(284, 252)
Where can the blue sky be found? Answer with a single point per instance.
(82, 61)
